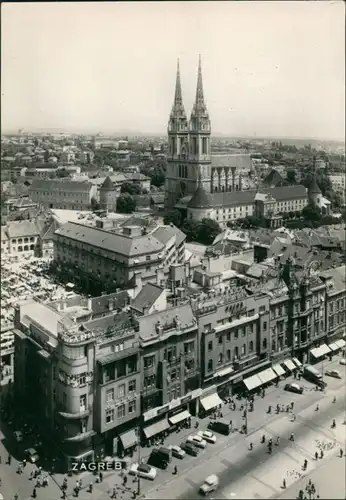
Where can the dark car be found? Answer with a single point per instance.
(298, 389)
(190, 448)
(32, 455)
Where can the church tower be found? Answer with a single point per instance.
(178, 148)
(199, 139)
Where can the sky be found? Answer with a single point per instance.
(270, 69)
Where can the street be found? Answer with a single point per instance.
(243, 473)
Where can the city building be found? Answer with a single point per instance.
(23, 238)
(189, 160)
(338, 182)
(65, 194)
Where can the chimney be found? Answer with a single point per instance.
(110, 304)
(63, 304)
(145, 310)
(160, 277)
(138, 283)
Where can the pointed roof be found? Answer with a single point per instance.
(314, 187)
(178, 106)
(199, 107)
(200, 199)
(108, 184)
(273, 179)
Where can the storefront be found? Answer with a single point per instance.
(209, 401)
(280, 372)
(252, 383)
(128, 442)
(289, 366)
(297, 362)
(319, 352)
(267, 376)
(156, 430)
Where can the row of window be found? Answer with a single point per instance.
(120, 411)
(336, 305)
(20, 240)
(170, 353)
(26, 248)
(243, 352)
(111, 394)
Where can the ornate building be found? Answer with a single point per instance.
(190, 163)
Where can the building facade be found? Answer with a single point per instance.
(63, 194)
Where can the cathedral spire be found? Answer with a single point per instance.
(178, 106)
(199, 107)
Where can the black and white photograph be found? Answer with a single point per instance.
(173, 257)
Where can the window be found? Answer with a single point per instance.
(109, 416)
(236, 334)
(220, 359)
(149, 381)
(220, 339)
(264, 325)
(236, 352)
(262, 308)
(228, 337)
(109, 395)
(121, 391)
(149, 361)
(132, 406)
(243, 331)
(210, 346)
(251, 328)
(189, 347)
(210, 365)
(243, 350)
(170, 353)
(121, 411)
(131, 366)
(264, 343)
(228, 355)
(82, 402)
(132, 386)
(251, 346)
(147, 257)
(82, 379)
(207, 328)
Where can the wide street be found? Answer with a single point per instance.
(243, 474)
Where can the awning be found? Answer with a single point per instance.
(289, 364)
(129, 439)
(267, 376)
(211, 401)
(252, 382)
(316, 352)
(334, 347)
(156, 428)
(297, 362)
(179, 417)
(324, 349)
(340, 343)
(278, 370)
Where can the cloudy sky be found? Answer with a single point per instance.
(269, 68)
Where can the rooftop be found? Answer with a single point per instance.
(19, 229)
(147, 297)
(156, 325)
(43, 315)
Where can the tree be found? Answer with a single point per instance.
(126, 204)
(207, 231)
(158, 176)
(173, 217)
(291, 176)
(312, 213)
(191, 229)
(94, 205)
(130, 188)
(62, 172)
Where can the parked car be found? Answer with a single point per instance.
(333, 373)
(208, 436)
(189, 448)
(18, 436)
(197, 441)
(210, 484)
(221, 426)
(143, 470)
(298, 389)
(177, 452)
(342, 361)
(32, 455)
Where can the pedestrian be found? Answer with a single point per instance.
(284, 483)
(77, 492)
(341, 452)
(317, 407)
(292, 405)
(125, 480)
(101, 477)
(251, 446)
(321, 454)
(34, 493)
(15, 497)
(263, 439)
(293, 417)
(64, 495)
(316, 455)
(9, 460)
(24, 463)
(277, 441)
(334, 399)
(114, 494)
(91, 487)
(175, 470)
(305, 466)
(292, 436)
(230, 424)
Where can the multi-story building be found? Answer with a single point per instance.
(338, 182)
(23, 237)
(63, 194)
(105, 260)
(6, 351)
(335, 301)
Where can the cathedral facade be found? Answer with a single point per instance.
(189, 163)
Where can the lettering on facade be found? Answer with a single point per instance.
(162, 410)
(75, 380)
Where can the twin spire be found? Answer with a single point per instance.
(199, 106)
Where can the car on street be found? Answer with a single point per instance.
(342, 361)
(32, 455)
(18, 436)
(189, 448)
(143, 470)
(298, 389)
(177, 452)
(197, 441)
(208, 436)
(210, 484)
(333, 373)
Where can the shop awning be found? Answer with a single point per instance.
(267, 376)
(156, 428)
(289, 364)
(334, 347)
(252, 382)
(324, 349)
(211, 401)
(278, 370)
(129, 439)
(297, 362)
(340, 343)
(316, 352)
(179, 417)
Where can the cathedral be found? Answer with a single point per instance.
(190, 165)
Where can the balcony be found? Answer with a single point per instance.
(75, 416)
(236, 322)
(81, 436)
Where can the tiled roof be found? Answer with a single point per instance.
(200, 199)
(273, 179)
(314, 188)
(137, 176)
(113, 242)
(165, 233)
(239, 160)
(284, 193)
(142, 200)
(100, 305)
(147, 296)
(226, 199)
(338, 275)
(148, 323)
(57, 185)
(19, 229)
(158, 198)
(108, 184)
